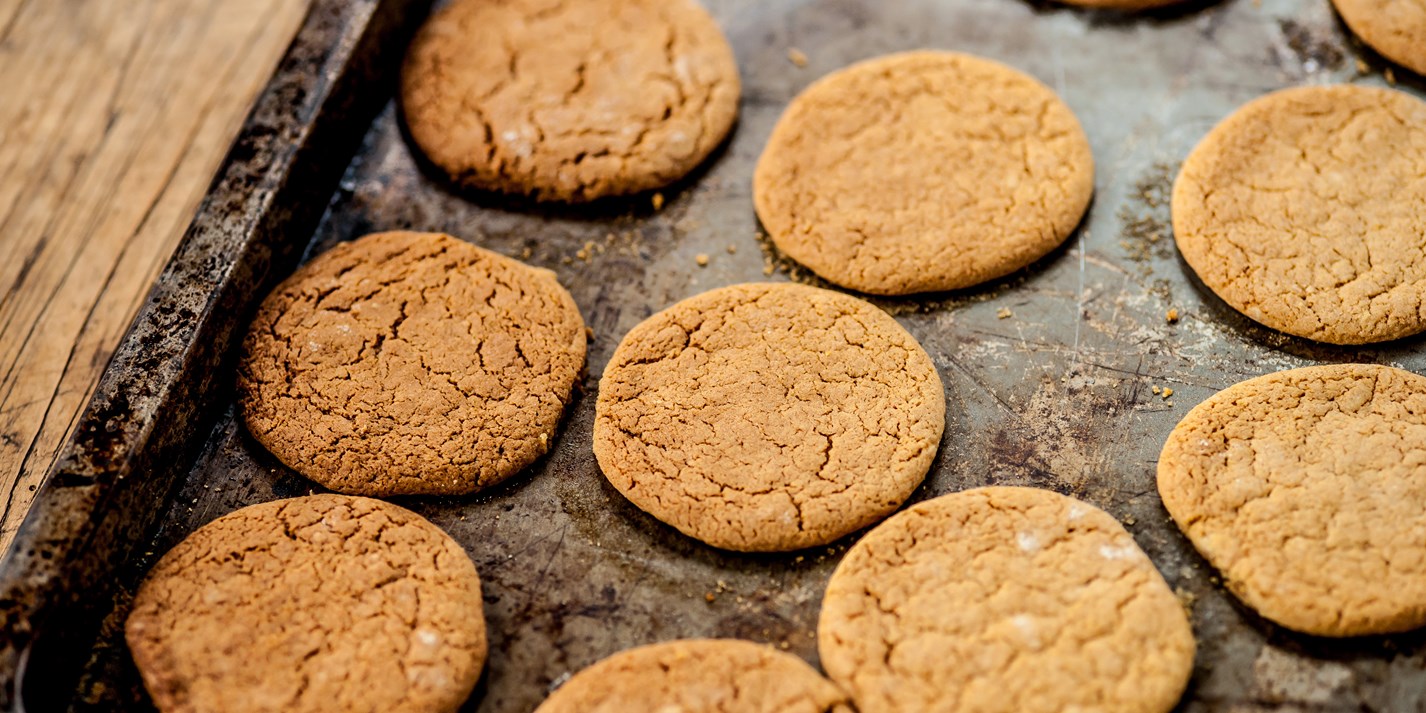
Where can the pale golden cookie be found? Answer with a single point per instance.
(411, 363)
(569, 101)
(698, 676)
(1003, 599)
(923, 171)
(1306, 211)
(327, 603)
(767, 417)
(1307, 490)
(1395, 28)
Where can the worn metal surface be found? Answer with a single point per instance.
(1049, 374)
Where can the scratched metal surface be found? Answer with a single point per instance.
(1049, 374)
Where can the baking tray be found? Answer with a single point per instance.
(1050, 374)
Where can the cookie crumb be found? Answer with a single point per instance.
(1155, 389)
(768, 269)
(1389, 75)
(1167, 393)
(1172, 316)
(566, 260)
(526, 253)
(1004, 313)
(784, 646)
(797, 57)
(1129, 520)
(732, 249)
(1185, 596)
(710, 597)
(701, 259)
(1362, 67)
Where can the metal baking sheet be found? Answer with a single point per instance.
(1050, 374)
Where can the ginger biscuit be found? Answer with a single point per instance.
(411, 363)
(923, 171)
(1003, 599)
(768, 417)
(324, 603)
(569, 101)
(1395, 28)
(698, 676)
(1306, 211)
(1307, 490)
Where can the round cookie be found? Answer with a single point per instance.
(768, 417)
(1003, 599)
(569, 101)
(1395, 28)
(1307, 490)
(1306, 211)
(698, 676)
(923, 171)
(411, 363)
(324, 603)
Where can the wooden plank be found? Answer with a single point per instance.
(115, 116)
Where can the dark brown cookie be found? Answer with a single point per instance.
(411, 363)
(327, 603)
(569, 101)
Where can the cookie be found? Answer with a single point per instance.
(768, 417)
(569, 101)
(1395, 28)
(324, 603)
(923, 171)
(410, 363)
(1306, 211)
(1003, 599)
(698, 676)
(1307, 490)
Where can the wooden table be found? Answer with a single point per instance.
(114, 114)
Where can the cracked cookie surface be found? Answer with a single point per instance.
(324, 603)
(1003, 599)
(698, 676)
(768, 417)
(1307, 490)
(569, 101)
(923, 171)
(411, 363)
(1395, 28)
(1306, 211)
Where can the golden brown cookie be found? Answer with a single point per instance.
(411, 363)
(698, 676)
(1307, 490)
(569, 101)
(1003, 599)
(1306, 211)
(324, 603)
(923, 171)
(1395, 28)
(768, 417)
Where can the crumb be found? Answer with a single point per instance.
(1167, 393)
(1155, 389)
(799, 558)
(797, 57)
(784, 646)
(767, 269)
(589, 333)
(701, 259)
(710, 597)
(1362, 67)
(1186, 597)
(526, 253)
(1389, 75)
(1004, 313)
(658, 201)
(566, 260)
(585, 251)
(1129, 520)
(732, 249)
(1169, 404)
(1172, 316)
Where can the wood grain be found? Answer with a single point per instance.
(113, 118)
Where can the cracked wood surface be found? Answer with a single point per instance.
(115, 116)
